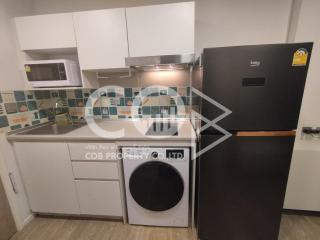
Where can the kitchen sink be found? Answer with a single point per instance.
(52, 129)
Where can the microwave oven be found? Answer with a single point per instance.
(53, 73)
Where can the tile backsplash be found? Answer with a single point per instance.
(20, 109)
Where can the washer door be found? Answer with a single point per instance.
(156, 186)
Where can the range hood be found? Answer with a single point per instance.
(160, 63)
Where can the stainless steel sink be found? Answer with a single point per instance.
(51, 129)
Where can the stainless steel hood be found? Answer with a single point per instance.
(160, 63)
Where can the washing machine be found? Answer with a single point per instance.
(157, 185)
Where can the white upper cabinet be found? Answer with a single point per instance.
(161, 29)
(52, 31)
(101, 38)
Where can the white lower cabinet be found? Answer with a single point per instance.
(47, 174)
(57, 185)
(99, 197)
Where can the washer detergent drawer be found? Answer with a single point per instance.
(95, 170)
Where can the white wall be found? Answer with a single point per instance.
(240, 22)
(11, 72)
(303, 190)
(56, 6)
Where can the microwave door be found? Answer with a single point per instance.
(45, 72)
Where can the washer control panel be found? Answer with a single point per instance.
(145, 153)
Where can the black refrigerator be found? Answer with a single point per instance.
(241, 182)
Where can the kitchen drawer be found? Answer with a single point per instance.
(93, 151)
(95, 170)
(99, 197)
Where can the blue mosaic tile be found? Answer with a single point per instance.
(32, 105)
(38, 94)
(155, 110)
(36, 115)
(112, 111)
(19, 95)
(35, 122)
(4, 121)
(96, 111)
(146, 110)
(111, 92)
(78, 93)
(122, 102)
(43, 113)
(72, 103)
(15, 127)
(128, 92)
(46, 94)
(62, 93)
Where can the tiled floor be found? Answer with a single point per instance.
(292, 228)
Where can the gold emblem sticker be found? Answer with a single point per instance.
(300, 57)
(27, 68)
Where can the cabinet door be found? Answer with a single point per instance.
(101, 38)
(52, 31)
(47, 174)
(99, 197)
(161, 29)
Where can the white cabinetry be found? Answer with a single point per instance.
(96, 172)
(165, 29)
(47, 174)
(99, 197)
(51, 31)
(101, 38)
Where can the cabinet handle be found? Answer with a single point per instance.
(13, 183)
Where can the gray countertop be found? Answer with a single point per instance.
(113, 130)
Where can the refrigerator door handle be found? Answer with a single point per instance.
(266, 134)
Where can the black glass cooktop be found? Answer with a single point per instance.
(163, 129)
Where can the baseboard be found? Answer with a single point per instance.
(300, 212)
(28, 219)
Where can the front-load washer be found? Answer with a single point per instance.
(157, 185)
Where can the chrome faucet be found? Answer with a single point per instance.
(59, 104)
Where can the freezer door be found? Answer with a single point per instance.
(241, 187)
(259, 84)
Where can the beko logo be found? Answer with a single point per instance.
(254, 63)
